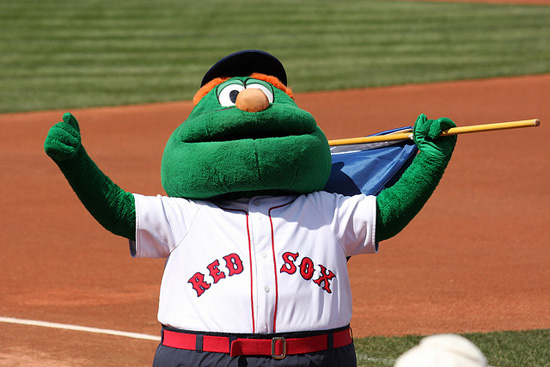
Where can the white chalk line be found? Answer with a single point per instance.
(55, 325)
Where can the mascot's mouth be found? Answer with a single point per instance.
(274, 123)
(236, 137)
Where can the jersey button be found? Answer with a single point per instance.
(266, 289)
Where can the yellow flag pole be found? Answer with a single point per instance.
(451, 131)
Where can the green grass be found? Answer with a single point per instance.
(61, 54)
(502, 349)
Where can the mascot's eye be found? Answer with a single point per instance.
(228, 94)
(263, 88)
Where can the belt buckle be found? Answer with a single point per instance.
(273, 344)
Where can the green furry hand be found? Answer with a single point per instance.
(399, 204)
(111, 206)
(63, 140)
(426, 136)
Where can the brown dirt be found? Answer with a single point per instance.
(475, 259)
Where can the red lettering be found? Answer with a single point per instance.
(199, 284)
(216, 273)
(307, 268)
(326, 276)
(234, 264)
(288, 266)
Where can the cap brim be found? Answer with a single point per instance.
(244, 63)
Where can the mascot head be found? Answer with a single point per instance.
(245, 136)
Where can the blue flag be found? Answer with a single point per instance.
(369, 168)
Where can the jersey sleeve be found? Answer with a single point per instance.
(161, 224)
(352, 220)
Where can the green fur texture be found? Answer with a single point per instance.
(225, 151)
(399, 204)
(111, 206)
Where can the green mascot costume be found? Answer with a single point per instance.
(255, 249)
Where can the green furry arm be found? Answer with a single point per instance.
(111, 206)
(399, 204)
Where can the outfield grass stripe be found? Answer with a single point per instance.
(323, 44)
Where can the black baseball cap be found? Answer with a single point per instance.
(244, 63)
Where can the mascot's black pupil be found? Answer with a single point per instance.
(233, 95)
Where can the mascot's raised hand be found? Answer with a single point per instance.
(397, 205)
(426, 135)
(63, 141)
(111, 206)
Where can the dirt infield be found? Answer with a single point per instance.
(475, 259)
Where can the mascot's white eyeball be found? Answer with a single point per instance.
(228, 95)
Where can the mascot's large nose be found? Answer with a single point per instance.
(252, 100)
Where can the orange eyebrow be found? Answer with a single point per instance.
(274, 81)
(205, 89)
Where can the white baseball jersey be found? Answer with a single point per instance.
(260, 265)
